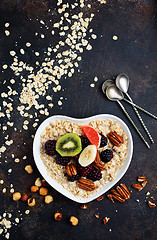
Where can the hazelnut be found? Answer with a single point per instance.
(58, 216)
(43, 191)
(44, 183)
(24, 197)
(38, 182)
(16, 196)
(31, 202)
(73, 220)
(34, 189)
(48, 199)
(29, 169)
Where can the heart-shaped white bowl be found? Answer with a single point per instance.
(42, 168)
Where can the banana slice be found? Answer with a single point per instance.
(88, 155)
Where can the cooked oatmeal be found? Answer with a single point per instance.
(57, 172)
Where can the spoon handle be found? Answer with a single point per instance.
(142, 109)
(140, 118)
(128, 116)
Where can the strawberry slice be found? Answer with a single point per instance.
(92, 135)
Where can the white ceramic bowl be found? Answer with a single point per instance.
(42, 169)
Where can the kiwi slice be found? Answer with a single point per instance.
(69, 145)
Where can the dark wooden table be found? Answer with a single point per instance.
(135, 53)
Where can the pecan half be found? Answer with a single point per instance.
(137, 186)
(114, 192)
(118, 199)
(125, 190)
(151, 205)
(70, 169)
(141, 179)
(110, 196)
(98, 163)
(122, 192)
(86, 184)
(115, 139)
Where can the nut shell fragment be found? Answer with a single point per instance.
(31, 202)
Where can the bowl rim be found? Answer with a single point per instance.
(42, 168)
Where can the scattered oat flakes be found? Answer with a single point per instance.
(5, 66)
(28, 44)
(115, 38)
(96, 79)
(4, 190)
(92, 85)
(22, 51)
(7, 25)
(27, 211)
(7, 33)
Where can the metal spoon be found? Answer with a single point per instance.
(106, 84)
(122, 82)
(114, 94)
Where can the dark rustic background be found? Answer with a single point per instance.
(135, 53)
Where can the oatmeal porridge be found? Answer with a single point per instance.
(66, 171)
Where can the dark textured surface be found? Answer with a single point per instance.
(135, 53)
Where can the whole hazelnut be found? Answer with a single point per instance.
(43, 191)
(74, 220)
(16, 196)
(31, 202)
(38, 182)
(24, 197)
(48, 199)
(29, 169)
(34, 189)
(58, 216)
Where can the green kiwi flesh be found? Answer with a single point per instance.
(69, 145)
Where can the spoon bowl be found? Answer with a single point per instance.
(113, 93)
(122, 82)
(106, 84)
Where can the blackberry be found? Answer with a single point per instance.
(103, 142)
(50, 147)
(95, 175)
(84, 171)
(73, 178)
(106, 155)
(85, 142)
(62, 160)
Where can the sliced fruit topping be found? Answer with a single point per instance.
(103, 142)
(84, 171)
(88, 155)
(106, 155)
(92, 135)
(69, 145)
(95, 175)
(50, 147)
